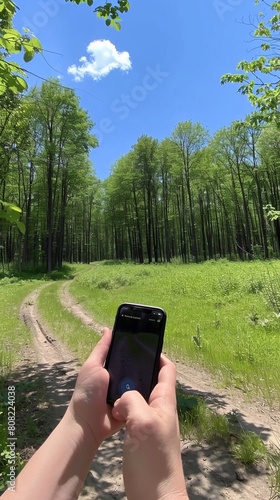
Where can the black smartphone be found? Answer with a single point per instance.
(134, 354)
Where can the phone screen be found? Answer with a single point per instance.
(133, 358)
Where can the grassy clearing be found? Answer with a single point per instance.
(223, 315)
(79, 338)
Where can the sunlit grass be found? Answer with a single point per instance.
(14, 335)
(249, 448)
(273, 462)
(226, 302)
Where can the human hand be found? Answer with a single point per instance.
(88, 404)
(152, 465)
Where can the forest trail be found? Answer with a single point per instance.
(210, 471)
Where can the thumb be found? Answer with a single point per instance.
(140, 419)
(130, 406)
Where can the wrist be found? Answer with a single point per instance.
(60, 465)
(174, 487)
(81, 432)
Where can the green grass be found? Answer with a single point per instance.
(197, 421)
(273, 461)
(13, 333)
(222, 315)
(249, 448)
(79, 338)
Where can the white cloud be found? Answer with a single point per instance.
(103, 58)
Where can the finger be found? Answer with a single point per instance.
(117, 415)
(165, 392)
(167, 373)
(99, 353)
(130, 405)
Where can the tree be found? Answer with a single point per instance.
(259, 77)
(190, 138)
(65, 140)
(230, 148)
(268, 146)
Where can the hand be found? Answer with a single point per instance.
(152, 459)
(88, 404)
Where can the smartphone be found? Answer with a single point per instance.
(134, 354)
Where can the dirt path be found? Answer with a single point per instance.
(210, 471)
(49, 359)
(59, 369)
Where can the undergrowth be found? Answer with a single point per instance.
(198, 422)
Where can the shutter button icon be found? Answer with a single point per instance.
(126, 384)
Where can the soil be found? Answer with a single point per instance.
(210, 470)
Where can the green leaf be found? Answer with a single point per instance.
(11, 34)
(28, 56)
(13, 208)
(36, 44)
(21, 84)
(116, 25)
(21, 227)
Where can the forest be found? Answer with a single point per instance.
(190, 197)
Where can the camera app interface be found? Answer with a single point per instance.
(134, 351)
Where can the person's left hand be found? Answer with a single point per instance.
(88, 404)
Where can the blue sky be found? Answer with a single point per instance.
(164, 66)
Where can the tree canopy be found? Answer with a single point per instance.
(13, 76)
(259, 77)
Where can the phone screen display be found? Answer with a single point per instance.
(133, 358)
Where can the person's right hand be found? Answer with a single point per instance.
(152, 465)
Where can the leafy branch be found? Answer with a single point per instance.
(259, 77)
(108, 11)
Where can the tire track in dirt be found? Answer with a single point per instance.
(69, 303)
(210, 470)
